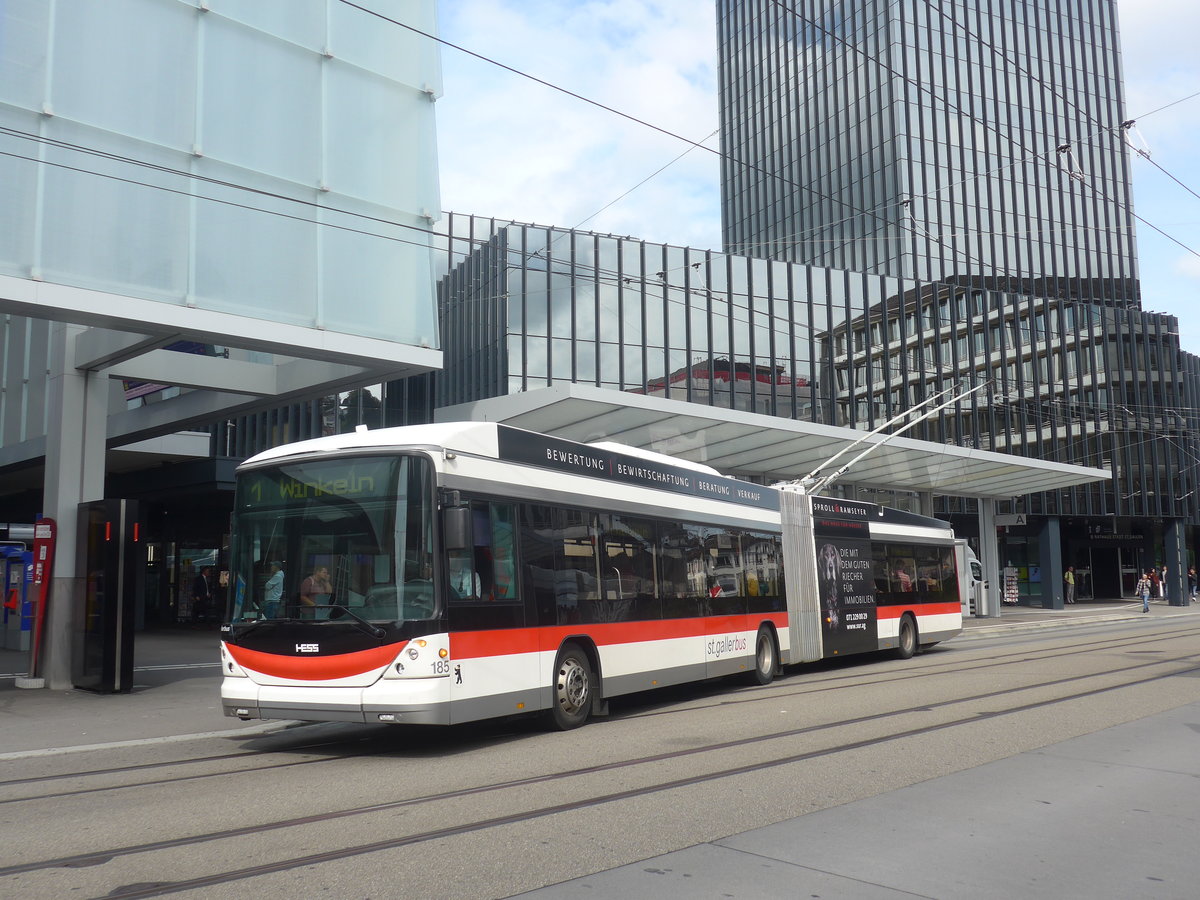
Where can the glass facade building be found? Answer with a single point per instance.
(975, 142)
(529, 306)
(975, 149)
(226, 137)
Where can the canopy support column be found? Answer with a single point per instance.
(76, 430)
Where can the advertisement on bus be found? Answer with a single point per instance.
(844, 576)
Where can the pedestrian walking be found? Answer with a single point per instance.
(1192, 583)
(202, 596)
(1143, 591)
(1069, 581)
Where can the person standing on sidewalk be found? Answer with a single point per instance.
(1192, 583)
(1069, 581)
(1143, 590)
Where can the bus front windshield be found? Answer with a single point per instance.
(344, 538)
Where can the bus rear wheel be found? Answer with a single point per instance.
(908, 637)
(765, 659)
(573, 685)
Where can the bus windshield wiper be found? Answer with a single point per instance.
(243, 627)
(374, 630)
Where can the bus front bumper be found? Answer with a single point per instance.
(422, 702)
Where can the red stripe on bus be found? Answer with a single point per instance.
(315, 668)
(918, 609)
(475, 644)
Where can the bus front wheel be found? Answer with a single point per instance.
(908, 637)
(573, 685)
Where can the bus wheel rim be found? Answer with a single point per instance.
(572, 685)
(766, 654)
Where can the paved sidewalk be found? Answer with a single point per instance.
(1026, 619)
(176, 692)
(1107, 815)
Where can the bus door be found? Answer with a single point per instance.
(724, 605)
(493, 649)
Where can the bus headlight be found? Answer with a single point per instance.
(229, 668)
(421, 658)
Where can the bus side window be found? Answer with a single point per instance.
(464, 582)
(504, 566)
(764, 584)
(483, 587)
(678, 559)
(492, 552)
(558, 548)
(628, 569)
(538, 536)
(473, 569)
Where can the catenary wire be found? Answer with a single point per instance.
(1035, 156)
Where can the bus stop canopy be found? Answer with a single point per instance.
(751, 444)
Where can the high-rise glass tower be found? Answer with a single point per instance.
(976, 142)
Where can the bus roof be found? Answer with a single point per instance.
(466, 437)
(483, 439)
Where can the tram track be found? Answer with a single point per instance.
(539, 812)
(160, 782)
(779, 690)
(1168, 667)
(814, 686)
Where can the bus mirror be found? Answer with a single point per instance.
(456, 527)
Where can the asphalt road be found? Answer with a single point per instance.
(942, 776)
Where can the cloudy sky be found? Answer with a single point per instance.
(516, 149)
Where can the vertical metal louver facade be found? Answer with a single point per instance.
(972, 142)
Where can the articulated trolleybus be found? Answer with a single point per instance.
(446, 573)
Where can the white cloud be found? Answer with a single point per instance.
(514, 148)
(1189, 267)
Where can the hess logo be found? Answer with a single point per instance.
(308, 648)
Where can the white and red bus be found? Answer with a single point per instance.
(446, 573)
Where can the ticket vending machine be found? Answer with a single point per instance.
(16, 570)
(109, 541)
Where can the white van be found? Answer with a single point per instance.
(972, 589)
